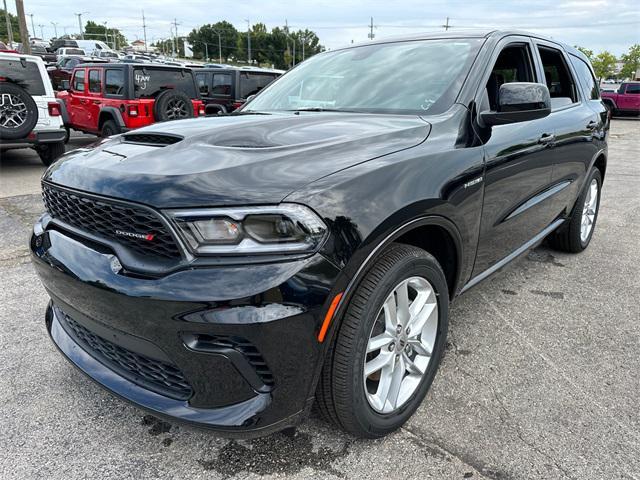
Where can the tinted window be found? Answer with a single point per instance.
(557, 75)
(38, 49)
(73, 51)
(633, 88)
(94, 81)
(201, 80)
(512, 65)
(586, 77)
(222, 84)
(78, 81)
(397, 78)
(28, 77)
(114, 82)
(252, 83)
(149, 82)
(71, 63)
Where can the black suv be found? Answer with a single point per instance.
(231, 271)
(223, 90)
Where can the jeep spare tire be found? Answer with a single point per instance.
(18, 112)
(172, 105)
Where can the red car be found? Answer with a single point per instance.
(625, 100)
(109, 98)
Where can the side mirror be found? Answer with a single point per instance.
(64, 84)
(518, 102)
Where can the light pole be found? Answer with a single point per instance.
(41, 31)
(33, 28)
(106, 33)
(55, 28)
(248, 41)
(8, 20)
(79, 15)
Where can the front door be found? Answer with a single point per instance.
(518, 164)
(77, 99)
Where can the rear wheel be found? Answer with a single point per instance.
(574, 236)
(50, 152)
(388, 348)
(109, 128)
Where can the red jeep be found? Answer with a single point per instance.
(110, 98)
(624, 100)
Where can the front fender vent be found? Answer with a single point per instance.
(153, 139)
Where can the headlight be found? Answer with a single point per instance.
(285, 228)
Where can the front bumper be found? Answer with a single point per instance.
(232, 348)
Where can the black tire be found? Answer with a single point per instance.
(109, 128)
(340, 396)
(20, 112)
(172, 105)
(50, 152)
(567, 238)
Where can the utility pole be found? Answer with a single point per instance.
(22, 23)
(371, 34)
(176, 42)
(79, 15)
(33, 28)
(41, 31)
(55, 28)
(8, 20)
(144, 29)
(219, 46)
(248, 42)
(446, 26)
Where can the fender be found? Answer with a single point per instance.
(115, 114)
(63, 112)
(606, 100)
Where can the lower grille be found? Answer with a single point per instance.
(160, 377)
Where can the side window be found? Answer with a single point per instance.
(586, 77)
(514, 64)
(203, 87)
(558, 77)
(221, 84)
(78, 81)
(94, 81)
(633, 89)
(114, 82)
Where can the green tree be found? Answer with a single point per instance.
(220, 34)
(588, 53)
(604, 64)
(631, 61)
(15, 27)
(96, 31)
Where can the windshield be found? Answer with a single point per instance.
(401, 77)
(149, 82)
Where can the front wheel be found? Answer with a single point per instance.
(574, 236)
(389, 345)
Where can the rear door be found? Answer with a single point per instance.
(519, 163)
(94, 96)
(576, 125)
(222, 90)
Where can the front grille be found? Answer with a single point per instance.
(160, 377)
(156, 139)
(104, 217)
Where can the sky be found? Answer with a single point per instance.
(611, 25)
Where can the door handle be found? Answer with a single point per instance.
(96, 102)
(83, 101)
(547, 139)
(592, 125)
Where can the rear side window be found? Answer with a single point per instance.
(26, 76)
(114, 82)
(222, 84)
(633, 89)
(94, 81)
(586, 77)
(203, 84)
(78, 81)
(557, 76)
(149, 82)
(252, 83)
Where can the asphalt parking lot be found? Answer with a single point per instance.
(540, 380)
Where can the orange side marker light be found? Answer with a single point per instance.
(328, 317)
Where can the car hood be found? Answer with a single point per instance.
(236, 159)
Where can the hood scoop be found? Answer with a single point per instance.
(152, 139)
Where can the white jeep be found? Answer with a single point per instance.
(30, 115)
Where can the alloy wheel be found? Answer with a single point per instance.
(13, 111)
(176, 109)
(589, 211)
(400, 345)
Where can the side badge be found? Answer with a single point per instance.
(473, 182)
